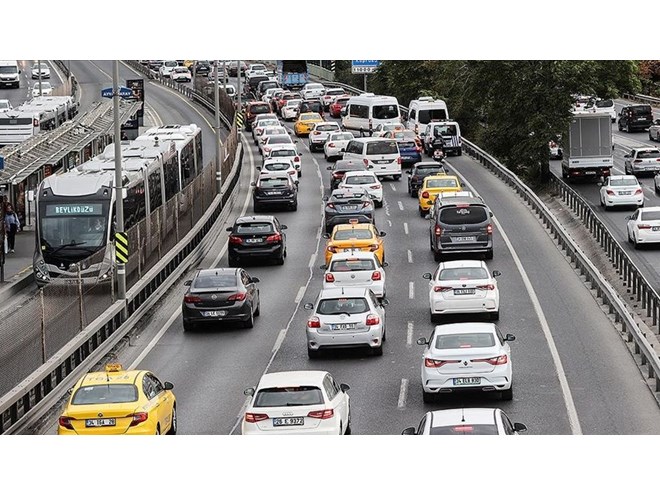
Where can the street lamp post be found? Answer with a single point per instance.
(218, 145)
(119, 188)
(39, 69)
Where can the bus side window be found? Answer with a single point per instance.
(171, 178)
(155, 191)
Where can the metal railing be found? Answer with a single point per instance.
(651, 100)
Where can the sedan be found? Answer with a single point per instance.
(366, 180)
(180, 74)
(410, 152)
(355, 269)
(46, 89)
(289, 110)
(274, 166)
(466, 357)
(221, 295)
(346, 318)
(467, 421)
(319, 134)
(419, 172)
(644, 226)
(346, 205)
(642, 160)
(335, 145)
(340, 168)
(621, 190)
(463, 286)
(299, 403)
(330, 96)
(256, 236)
(40, 69)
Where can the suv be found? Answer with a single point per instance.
(252, 109)
(202, 67)
(635, 118)
(461, 225)
(347, 206)
(257, 236)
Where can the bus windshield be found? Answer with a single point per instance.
(79, 225)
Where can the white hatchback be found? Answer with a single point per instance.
(364, 180)
(466, 421)
(271, 131)
(379, 155)
(355, 269)
(335, 145)
(319, 134)
(259, 127)
(288, 152)
(46, 89)
(643, 226)
(273, 166)
(266, 146)
(621, 190)
(463, 286)
(290, 109)
(299, 403)
(466, 357)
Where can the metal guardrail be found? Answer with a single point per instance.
(42, 389)
(651, 100)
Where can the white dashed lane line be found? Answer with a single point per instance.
(400, 205)
(409, 335)
(411, 290)
(403, 394)
(405, 228)
(410, 258)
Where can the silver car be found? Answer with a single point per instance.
(642, 160)
(345, 318)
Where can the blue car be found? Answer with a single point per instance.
(410, 153)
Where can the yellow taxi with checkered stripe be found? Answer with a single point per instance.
(360, 236)
(305, 123)
(119, 402)
(434, 185)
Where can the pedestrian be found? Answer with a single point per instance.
(11, 227)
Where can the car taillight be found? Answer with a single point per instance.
(235, 240)
(331, 145)
(65, 422)
(489, 228)
(35, 122)
(418, 149)
(398, 160)
(609, 192)
(425, 194)
(638, 191)
(293, 172)
(497, 360)
(463, 429)
(366, 162)
(330, 205)
(643, 226)
(266, 150)
(260, 132)
(373, 319)
(373, 247)
(323, 414)
(486, 287)
(239, 296)
(329, 277)
(438, 231)
(191, 299)
(314, 322)
(332, 249)
(296, 159)
(139, 417)
(377, 186)
(441, 288)
(316, 133)
(255, 418)
(437, 363)
(376, 276)
(274, 238)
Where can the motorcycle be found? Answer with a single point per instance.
(439, 155)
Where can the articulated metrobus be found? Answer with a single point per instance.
(42, 113)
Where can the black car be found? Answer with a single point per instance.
(264, 85)
(345, 205)
(419, 171)
(155, 64)
(221, 295)
(635, 118)
(232, 70)
(256, 237)
(461, 225)
(340, 168)
(275, 190)
(202, 67)
(311, 106)
(254, 81)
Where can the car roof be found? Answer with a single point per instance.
(216, 271)
(116, 377)
(343, 292)
(645, 148)
(327, 122)
(315, 114)
(351, 226)
(279, 174)
(470, 415)
(292, 378)
(621, 177)
(440, 176)
(468, 327)
(278, 159)
(462, 201)
(372, 139)
(356, 173)
(429, 163)
(650, 208)
(357, 253)
(255, 218)
(463, 264)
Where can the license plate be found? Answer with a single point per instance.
(343, 326)
(590, 172)
(462, 292)
(382, 161)
(213, 313)
(467, 381)
(91, 423)
(289, 421)
(252, 241)
(464, 239)
(655, 229)
(273, 193)
(352, 208)
(625, 193)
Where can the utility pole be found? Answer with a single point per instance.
(39, 65)
(365, 82)
(224, 74)
(219, 159)
(238, 90)
(119, 188)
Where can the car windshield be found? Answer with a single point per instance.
(213, 280)
(440, 183)
(276, 167)
(344, 195)
(604, 103)
(8, 69)
(428, 170)
(180, 69)
(268, 123)
(108, 393)
(350, 305)
(360, 179)
(275, 130)
(473, 273)
(333, 92)
(327, 127)
(171, 63)
(261, 108)
(623, 182)
(344, 235)
(273, 182)
(342, 101)
(258, 67)
(279, 139)
(315, 86)
(650, 215)
(343, 136)
(646, 109)
(458, 215)
(293, 103)
(352, 265)
(288, 396)
(382, 148)
(277, 153)
(464, 340)
(254, 228)
(42, 66)
(385, 111)
(426, 116)
(648, 154)
(310, 117)
(444, 130)
(464, 429)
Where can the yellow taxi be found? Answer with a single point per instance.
(362, 236)
(306, 122)
(119, 402)
(434, 185)
(188, 64)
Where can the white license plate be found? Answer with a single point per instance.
(343, 326)
(212, 314)
(625, 193)
(464, 239)
(252, 241)
(590, 172)
(463, 292)
(289, 421)
(91, 423)
(467, 381)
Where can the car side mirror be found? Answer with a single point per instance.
(509, 337)
(258, 167)
(229, 229)
(249, 391)
(427, 276)
(344, 387)
(384, 302)
(491, 214)
(600, 183)
(283, 227)
(342, 150)
(409, 172)
(409, 431)
(188, 283)
(427, 216)
(168, 385)
(323, 267)
(329, 168)
(462, 184)
(628, 217)
(308, 306)
(253, 184)
(324, 198)
(385, 264)
(326, 236)
(496, 273)
(519, 427)
(299, 154)
(382, 234)
(422, 341)
(422, 134)
(254, 280)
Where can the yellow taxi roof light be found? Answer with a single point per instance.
(113, 367)
(353, 221)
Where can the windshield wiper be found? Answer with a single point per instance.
(71, 244)
(339, 313)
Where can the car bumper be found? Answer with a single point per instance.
(377, 287)
(473, 247)
(256, 252)
(648, 237)
(288, 201)
(456, 306)
(327, 427)
(633, 199)
(330, 222)
(231, 313)
(381, 171)
(411, 159)
(323, 340)
(333, 151)
(490, 382)
(645, 169)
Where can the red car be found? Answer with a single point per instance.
(335, 108)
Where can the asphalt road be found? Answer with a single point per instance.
(572, 372)
(16, 96)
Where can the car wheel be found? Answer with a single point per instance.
(313, 353)
(627, 128)
(377, 351)
(379, 204)
(174, 423)
(397, 177)
(188, 326)
(249, 323)
(258, 310)
(650, 136)
(629, 238)
(602, 203)
(280, 260)
(422, 213)
(635, 243)
(436, 318)
(489, 254)
(428, 398)
(384, 334)
(294, 207)
(437, 256)
(507, 394)
(348, 427)
(495, 315)
(256, 207)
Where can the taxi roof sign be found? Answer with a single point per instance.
(113, 367)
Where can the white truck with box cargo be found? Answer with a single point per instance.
(589, 147)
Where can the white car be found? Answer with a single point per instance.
(381, 129)
(254, 70)
(364, 180)
(258, 128)
(265, 146)
(46, 89)
(642, 160)
(330, 95)
(272, 130)
(42, 69)
(290, 109)
(621, 190)
(355, 269)
(5, 106)
(336, 144)
(319, 134)
(286, 152)
(230, 89)
(602, 106)
(644, 226)
(274, 166)
(312, 91)
(466, 421)
(298, 402)
(268, 95)
(462, 287)
(344, 318)
(466, 356)
(181, 74)
(168, 66)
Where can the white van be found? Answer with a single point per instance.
(424, 110)
(9, 74)
(447, 130)
(362, 113)
(380, 155)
